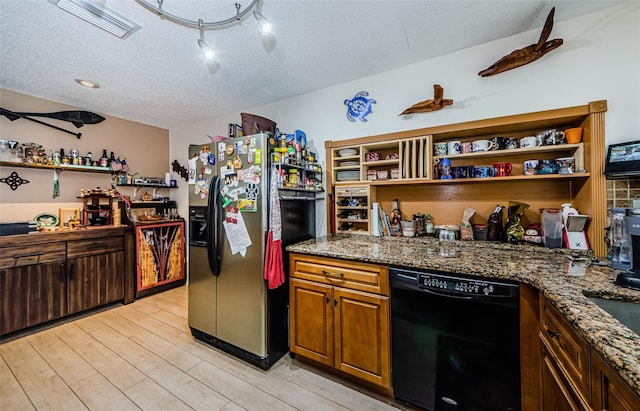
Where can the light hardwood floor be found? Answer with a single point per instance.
(142, 356)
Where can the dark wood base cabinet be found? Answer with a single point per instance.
(44, 277)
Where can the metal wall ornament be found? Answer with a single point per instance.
(527, 54)
(437, 103)
(359, 107)
(14, 181)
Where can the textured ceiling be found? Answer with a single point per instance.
(157, 75)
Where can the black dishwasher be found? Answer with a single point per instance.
(455, 341)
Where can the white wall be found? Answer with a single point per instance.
(600, 59)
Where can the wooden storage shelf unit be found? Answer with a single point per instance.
(446, 200)
(352, 209)
(60, 167)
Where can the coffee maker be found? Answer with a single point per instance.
(626, 250)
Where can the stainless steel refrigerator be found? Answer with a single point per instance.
(230, 305)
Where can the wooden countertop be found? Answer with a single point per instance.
(61, 235)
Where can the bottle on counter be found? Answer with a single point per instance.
(395, 223)
(428, 225)
(112, 159)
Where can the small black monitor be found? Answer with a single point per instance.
(623, 160)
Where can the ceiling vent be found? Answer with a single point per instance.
(99, 15)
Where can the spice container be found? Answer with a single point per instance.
(294, 178)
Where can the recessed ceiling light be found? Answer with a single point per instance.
(87, 83)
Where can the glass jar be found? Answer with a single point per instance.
(294, 178)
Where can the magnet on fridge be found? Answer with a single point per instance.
(212, 159)
(250, 157)
(257, 159)
(229, 150)
(226, 201)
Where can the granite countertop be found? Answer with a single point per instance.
(563, 281)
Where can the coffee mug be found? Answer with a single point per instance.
(459, 172)
(530, 167)
(566, 165)
(511, 143)
(454, 148)
(484, 171)
(466, 147)
(531, 141)
(502, 169)
(482, 145)
(548, 167)
(552, 137)
(470, 171)
(573, 135)
(440, 149)
(498, 143)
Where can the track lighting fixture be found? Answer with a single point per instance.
(264, 26)
(208, 52)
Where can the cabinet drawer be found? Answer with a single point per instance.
(36, 254)
(566, 345)
(94, 246)
(349, 274)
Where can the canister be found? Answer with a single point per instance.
(294, 178)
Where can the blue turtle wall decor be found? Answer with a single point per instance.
(359, 106)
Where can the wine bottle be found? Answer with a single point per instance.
(104, 160)
(395, 224)
(112, 159)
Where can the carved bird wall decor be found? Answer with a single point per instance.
(527, 54)
(430, 105)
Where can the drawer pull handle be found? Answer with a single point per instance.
(553, 334)
(36, 254)
(330, 274)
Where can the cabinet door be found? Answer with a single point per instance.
(557, 392)
(362, 335)
(311, 320)
(95, 280)
(610, 393)
(32, 294)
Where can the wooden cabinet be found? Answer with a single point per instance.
(32, 295)
(160, 256)
(94, 272)
(609, 392)
(50, 275)
(574, 376)
(339, 316)
(446, 200)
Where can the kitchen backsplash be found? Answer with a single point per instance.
(620, 193)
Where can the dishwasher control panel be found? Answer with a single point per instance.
(452, 284)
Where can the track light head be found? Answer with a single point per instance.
(207, 51)
(264, 26)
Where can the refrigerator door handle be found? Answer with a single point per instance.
(214, 249)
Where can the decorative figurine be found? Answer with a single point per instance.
(430, 105)
(359, 106)
(527, 54)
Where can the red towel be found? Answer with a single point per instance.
(273, 267)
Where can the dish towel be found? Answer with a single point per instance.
(273, 268)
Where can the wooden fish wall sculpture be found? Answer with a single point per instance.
(527, 54)
(78, 118)
(430, 105)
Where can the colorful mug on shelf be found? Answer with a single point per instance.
(530, 167)
(484, 171)
(454, 148)
(531, 141)
(511, 143)
(466, 147)
(482, 145)
(440, 149)
(502, 169)
(573, 135)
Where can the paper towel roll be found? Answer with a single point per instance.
(167, 178)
